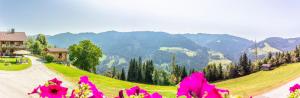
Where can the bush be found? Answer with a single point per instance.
(49, 58)
(7, 64)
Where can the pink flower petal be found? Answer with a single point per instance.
(56, 81)
(35, 90)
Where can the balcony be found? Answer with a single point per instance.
(13, 46)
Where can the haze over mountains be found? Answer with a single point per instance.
(191, 50)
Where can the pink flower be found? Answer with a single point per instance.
(155, 95)
(121, 95)
(35, 90)
(196, 85)
(73, 94)
(295, 87)
(53, 91)
(56, 81)
(136, 91)
(93, 88)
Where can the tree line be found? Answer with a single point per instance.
(216, 72)
(146, 72)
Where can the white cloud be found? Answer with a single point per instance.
(246, 18)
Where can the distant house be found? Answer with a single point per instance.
(266, 67)
(59, 54)
(11, 41)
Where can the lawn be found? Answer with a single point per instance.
(262, 81)
(110, 87)
(13, 66)
(249, 85)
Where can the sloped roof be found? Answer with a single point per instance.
(16, 36)
(57, 50)
(266, 65)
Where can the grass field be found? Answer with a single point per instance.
(110, 87)
(262, 81)
(249, 85)
(13, 66)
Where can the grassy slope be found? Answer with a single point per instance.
(262, 81)
(109, 86)
(13, 66)
(248, 85)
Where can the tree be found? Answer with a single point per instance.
(123, 76)
(270, 55)
(155, 77)
(149, 68)
(245, 68)
(184, 73)
(131, 69)
(29, 43)
(114, 72)
(220, 68)
(42, 39)
(87, 55)
(288, 57)
(37, 48)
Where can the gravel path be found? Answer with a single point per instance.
(280, 92)
(16, 84)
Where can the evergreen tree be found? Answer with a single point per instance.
(155, 77)
(149, 71)
(123, 76)
(270, 55)
(288, 57)
(114, 72)
(184, 73)
(131, 71)
(220, 67)
(244, 65)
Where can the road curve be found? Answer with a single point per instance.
(16, 84)
(279, 92)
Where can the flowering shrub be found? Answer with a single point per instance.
(51, 89)
(295, 91)
(196, 86)
(86, 89)
(137, 92)
(193, 86)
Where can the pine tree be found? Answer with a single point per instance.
(184, 73)
(270, 55)
(123, 76)
(220, 67)
(155, 77)
(114, 73)
(130, 70)
(288, 57)
(244, 65)
(149, 71)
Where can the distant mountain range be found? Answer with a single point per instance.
(191, 50)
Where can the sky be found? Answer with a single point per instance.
(251, 19)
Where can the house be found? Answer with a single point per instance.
(266, 67)
(59, 54)
(11, 41)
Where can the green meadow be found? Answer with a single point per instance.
(249, 85)
(110, 87)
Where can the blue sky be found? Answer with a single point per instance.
(252, 19)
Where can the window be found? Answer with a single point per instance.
(60, 55)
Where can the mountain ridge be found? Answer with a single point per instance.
(192, 50)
